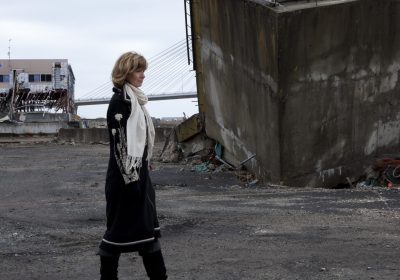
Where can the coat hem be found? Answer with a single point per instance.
(129, 243)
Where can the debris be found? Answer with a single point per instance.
(186, 140)
(5, 118)
(189, 128)
(252, 183)
(201, 167)
(349, 181)
(194, 160)
(27, 101)
(218, 149)
(385, 172)
(198, 145)
(246, 177)
(224, 162)
(211, 166)
(170, 151)
(388, 171)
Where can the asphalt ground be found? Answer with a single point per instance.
(52, 217)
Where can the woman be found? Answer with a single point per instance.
(132, 224)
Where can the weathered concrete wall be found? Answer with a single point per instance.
(162, 133)
(239, 59)
(100, 135)
(339, 76)
(31, 128)
(312, 90)
(37, 117)
(84, 135)
(35, 123)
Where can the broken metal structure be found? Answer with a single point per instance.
(35, 85)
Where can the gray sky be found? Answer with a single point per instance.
(91, 35)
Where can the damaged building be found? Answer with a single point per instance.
(309, 90)
(35, 91)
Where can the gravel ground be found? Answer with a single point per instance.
(52, 217)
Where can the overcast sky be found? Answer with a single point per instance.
(91, 34)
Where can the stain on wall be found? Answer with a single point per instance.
(312, 91)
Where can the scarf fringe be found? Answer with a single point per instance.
(132, 167)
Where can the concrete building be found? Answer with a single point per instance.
(36, 95)
(41, 84)
(310, 87)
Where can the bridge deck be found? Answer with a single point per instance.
(153, 97)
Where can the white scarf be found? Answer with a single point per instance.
(138, 123)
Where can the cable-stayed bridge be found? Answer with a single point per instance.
(152, 97)
(169, 76)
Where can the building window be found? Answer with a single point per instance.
(36, 78)
(4, 78)
(45, 78)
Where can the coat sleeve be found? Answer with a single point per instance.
(117, 116)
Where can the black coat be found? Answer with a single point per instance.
(132, 222)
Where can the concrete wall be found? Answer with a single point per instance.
(100, 135)
(312, 90)
(31, 128)
(37, 117)
(35, 123)
(239, 64)
(339, 76)
(84, 135)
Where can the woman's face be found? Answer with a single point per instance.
(136, 78)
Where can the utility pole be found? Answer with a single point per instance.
(14, 82)
(14, 89)
(9, 55)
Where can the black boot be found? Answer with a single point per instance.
(109, 268)
(154, 265)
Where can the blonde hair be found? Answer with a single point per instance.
(126, 64)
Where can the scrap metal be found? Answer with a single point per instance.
(26, 101)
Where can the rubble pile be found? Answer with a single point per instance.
(189, 144)
(384, 173)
